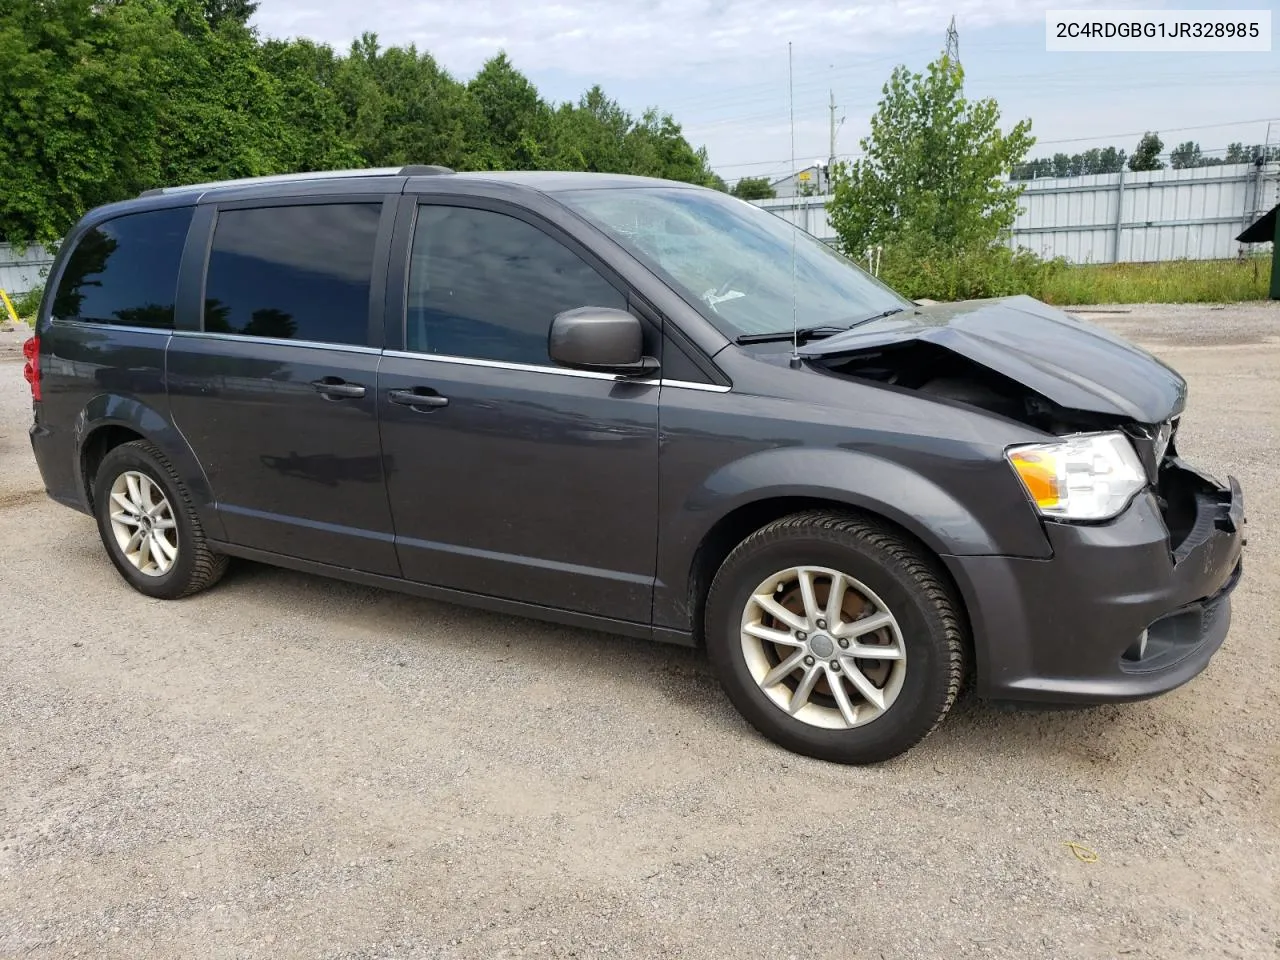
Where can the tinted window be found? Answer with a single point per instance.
(125, 271)
(487, 285)
(300, 272)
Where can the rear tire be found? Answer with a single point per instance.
(893, 620)
(149, 525)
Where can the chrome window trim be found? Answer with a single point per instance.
(505, 365)
(690, 385)
(556, 371)
(98, 325)
(284, 341)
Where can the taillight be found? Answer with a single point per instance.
(31, 369)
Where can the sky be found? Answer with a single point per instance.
(720, 67)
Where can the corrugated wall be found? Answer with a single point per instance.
(20, 273)
(1163, 214)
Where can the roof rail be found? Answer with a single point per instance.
(404, 171)
(424, 170)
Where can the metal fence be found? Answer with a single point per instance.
(1125, 217)
(22, 272)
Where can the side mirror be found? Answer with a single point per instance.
(600, 338)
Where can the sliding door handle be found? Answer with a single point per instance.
(338, 389)
(412, 398)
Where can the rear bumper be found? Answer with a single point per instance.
(56, 461)
(1069, 629)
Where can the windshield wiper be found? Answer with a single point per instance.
(814, 332)
(876, 316)
(804, 333)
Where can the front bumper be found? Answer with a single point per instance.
(1069, 629)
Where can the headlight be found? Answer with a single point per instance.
(1085, 477)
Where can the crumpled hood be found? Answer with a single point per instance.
(1071, 362)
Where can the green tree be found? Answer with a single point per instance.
(221, 113)
(1240, 153)
(1104, 160)
(318, 134)
(218, 12)
(931, 175)
(78, 110)
(401, 107)
(591, 135)
(754, 188)
(1031, 169)
(656, 147)
(1185, 154)
(1110, 160)
(1146, 155)
(517, 119)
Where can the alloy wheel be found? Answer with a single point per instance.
(823, 647)
(143, 523)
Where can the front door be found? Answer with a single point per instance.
(277, 394)
(507, 475)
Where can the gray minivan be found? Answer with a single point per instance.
(638, 406)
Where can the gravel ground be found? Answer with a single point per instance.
(289, 766)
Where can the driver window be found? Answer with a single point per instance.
(486, 285)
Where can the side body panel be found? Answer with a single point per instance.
(294, 465)
(932, 469)
(94, 376)
(530, 485)
(524, 481)
(292, 470)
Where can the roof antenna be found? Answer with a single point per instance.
(795, 330)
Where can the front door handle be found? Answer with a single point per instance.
(336, 388)
(414, 398)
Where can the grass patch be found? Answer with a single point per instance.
(919, 269)
(1174, 281)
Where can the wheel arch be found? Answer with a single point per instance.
(109, 420)
(950, 505)
(742, 521)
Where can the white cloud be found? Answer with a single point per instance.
(644, 39)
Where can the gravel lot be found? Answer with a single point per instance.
(289, 766)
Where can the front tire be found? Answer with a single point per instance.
(835, 637)
(149, 525)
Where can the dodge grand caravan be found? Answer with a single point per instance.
(637, 406)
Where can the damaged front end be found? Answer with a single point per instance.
(1085, 383)
(1144, 550)
(939, 373)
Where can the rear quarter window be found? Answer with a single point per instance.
(124, 271)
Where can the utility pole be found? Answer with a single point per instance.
(831, 154)
(953, 42)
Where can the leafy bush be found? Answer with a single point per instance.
(28, 305)
(919, 270)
